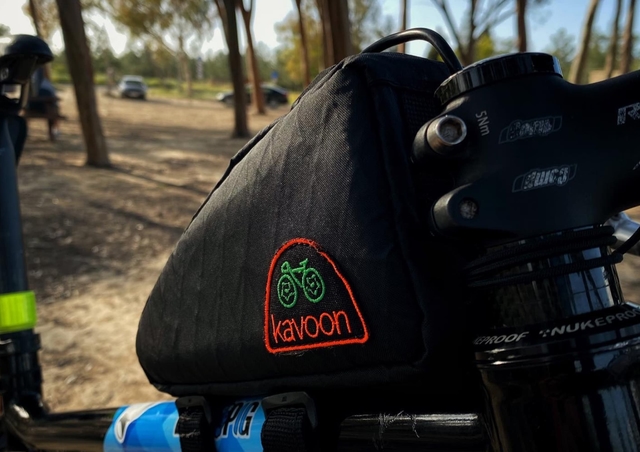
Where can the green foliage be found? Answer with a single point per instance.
(159, 19)
(4, 30)
(160, 68)
(216, 67)
(59, 69)
(367, 25)
(266, 61)
(485, 46)
(48, 20)
(563, 48)
(597, 51)
(170, 88)
(289, 54)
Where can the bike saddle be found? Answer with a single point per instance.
(18, 61)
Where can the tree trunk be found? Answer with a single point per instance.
(81, 70)
(184, 69)
(340, 29)
(402, 48)
(626, 56)
(111, 80)
(327, 35)
(305, 47)
(35, 17)
(470, 54)
(521, 6)
(612, 53)
(235, 65)
(33, 10)
(577, 73)
(222, 12)
(254, 70)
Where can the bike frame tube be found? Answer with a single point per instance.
(81, 431)
(152, 427)
(13, 274)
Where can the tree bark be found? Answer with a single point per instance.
(254, 70)
(35, 17)
(222, 12)
(470, 54)
(480, 21)
(327, 35)
(33, 9)
(577, 73)
(235, 65)
(81, 70)
(521, 6)
(305, 47)
(402, 48)
(185, 70)
(626, 56)
(340, 29)
(612, 53)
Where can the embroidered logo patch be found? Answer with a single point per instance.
(309, 303)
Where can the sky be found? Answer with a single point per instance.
(543, 22)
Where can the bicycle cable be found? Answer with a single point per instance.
(419, 34)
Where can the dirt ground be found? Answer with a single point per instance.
(97, 239)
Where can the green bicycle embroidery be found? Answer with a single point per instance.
(310, 282)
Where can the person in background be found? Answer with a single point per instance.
(44, 101)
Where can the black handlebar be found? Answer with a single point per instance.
(536, 154)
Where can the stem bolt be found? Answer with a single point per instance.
(468, 209)
(445, 133)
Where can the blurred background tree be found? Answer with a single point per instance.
(254, 71)
(628, 39)
(155, 51)
(563, 48)
(80, 65)
(227, 12)
(170, 23)
(166, 39)
(577, 72)
(367, 24)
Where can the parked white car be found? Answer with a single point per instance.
(132, 86)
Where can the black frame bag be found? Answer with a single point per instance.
(310, 265)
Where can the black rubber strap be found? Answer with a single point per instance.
(288, 429)
(193, 430)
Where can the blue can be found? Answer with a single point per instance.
(152, 427)
(240, 428)
(144, 427)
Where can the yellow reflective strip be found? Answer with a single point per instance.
(17, 311)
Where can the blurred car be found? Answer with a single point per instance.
(273, 96)
(132, 86)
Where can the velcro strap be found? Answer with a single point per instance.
(288, 429)
(193, 430)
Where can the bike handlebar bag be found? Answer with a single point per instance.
(310, 265)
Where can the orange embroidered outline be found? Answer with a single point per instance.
(315, 246)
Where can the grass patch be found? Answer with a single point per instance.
(167, 88)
